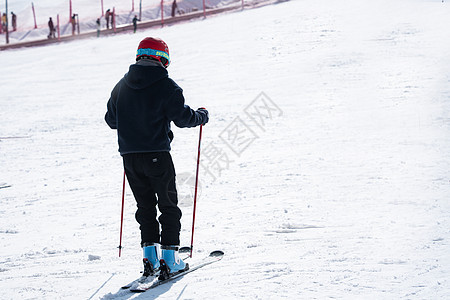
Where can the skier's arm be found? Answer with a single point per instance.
(182, 115)
(110, 116)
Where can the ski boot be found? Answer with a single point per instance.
(151, 259)
(171, 263)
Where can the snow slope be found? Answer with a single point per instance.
(343, 191)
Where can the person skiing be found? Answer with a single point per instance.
(99, 27)
(135, 20)
(113, 19)
(4, 17)
(107, 16)
(51, 28)
(174, 8)
(73, 21)
(141, 107)
(14, 21)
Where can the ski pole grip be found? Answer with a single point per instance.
(206, 113)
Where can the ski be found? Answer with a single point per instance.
(155, 282)
(142, 280)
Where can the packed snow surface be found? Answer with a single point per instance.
(325, 164)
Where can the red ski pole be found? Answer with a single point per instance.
(121, 214)
(196, 184)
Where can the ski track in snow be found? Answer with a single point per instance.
(343, 194)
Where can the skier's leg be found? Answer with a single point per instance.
(165, 188)
(170, 215)
(144, 194)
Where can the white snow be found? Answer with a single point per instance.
(342, 193)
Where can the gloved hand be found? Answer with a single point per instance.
(205, 114)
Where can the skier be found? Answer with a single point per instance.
(135, 20)
(14, 21)
(113, 19)
(51, 28)
(107, 15)
(141, 107)
(4, 17)
(174, 8)
(73, 21)
(99, 27)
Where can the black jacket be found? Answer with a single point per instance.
(141, 107)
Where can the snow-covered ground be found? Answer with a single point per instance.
(342, 191)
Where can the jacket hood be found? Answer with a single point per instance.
(142, 76)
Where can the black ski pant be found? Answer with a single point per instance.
(151, 177)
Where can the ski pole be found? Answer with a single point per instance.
(121, 214)
(196, 184)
